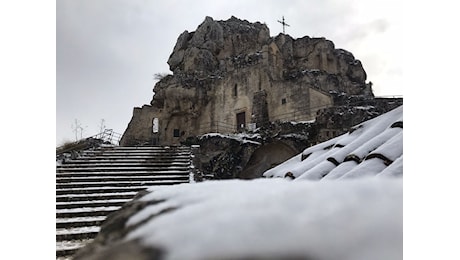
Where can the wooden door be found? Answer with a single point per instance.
(241, 121)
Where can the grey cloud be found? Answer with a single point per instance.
(379, 25)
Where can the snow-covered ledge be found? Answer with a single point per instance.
(356, 219)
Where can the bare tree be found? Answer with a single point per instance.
(102, 126)
(78, 128)
(159, 76)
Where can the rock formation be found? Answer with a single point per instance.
(230, 76)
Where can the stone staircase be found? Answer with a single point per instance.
(100, 181)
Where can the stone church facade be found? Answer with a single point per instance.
(231, 76)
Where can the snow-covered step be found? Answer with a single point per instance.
(68, 247)
(76, 233)
(119, 178)
(165, 151)
(124, 173)
(76, 214)
(71, 197)
(71, 244)
(91, 203)
(127, 165)
(127, 155)
(132, 168)
(67, 220)
(96, 196)
(79, 221)
(85, 211)
(118, 183)
(128, 160)
(93, 190)
(150, 147)
(143, 153)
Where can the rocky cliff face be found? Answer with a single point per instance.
(215, 42)
(217, 47)
(230, 74)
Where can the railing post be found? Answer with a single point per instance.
(196, 163)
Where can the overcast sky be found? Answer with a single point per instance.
(107, 51)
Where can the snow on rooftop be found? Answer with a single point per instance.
(275, 219)
(240, 137)
(367, 150)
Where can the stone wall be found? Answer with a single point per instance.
(140, 127)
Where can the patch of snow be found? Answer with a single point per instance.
(340, 170)
(115, 183)
(392, 149)
(92, 201)
(133, 168)
(152, 177)
(282, 169)
(393, 170)
(318, 171)
(350, 220)
(297, 136)
(250, 142)
(318, 154)
(240, 137)
(80, 219)
(303, 122)
(361, 146)
(73, 244)
(77, 230)
(96, 194)
(367, 168)
(87, 209)
(311, 70)
(374, 135)
(364, 107)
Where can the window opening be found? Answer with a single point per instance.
(176, 133)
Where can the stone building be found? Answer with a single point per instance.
(231, 76)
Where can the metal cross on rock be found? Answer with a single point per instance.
(284, 24)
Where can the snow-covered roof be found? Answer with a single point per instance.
(372, 148)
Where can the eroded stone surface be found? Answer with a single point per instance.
(231, 75)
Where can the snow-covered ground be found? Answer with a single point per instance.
(275, 218)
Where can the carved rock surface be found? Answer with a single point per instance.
(230, 74)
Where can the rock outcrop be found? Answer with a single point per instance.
(230, 75)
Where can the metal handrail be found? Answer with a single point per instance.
(108, 135)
